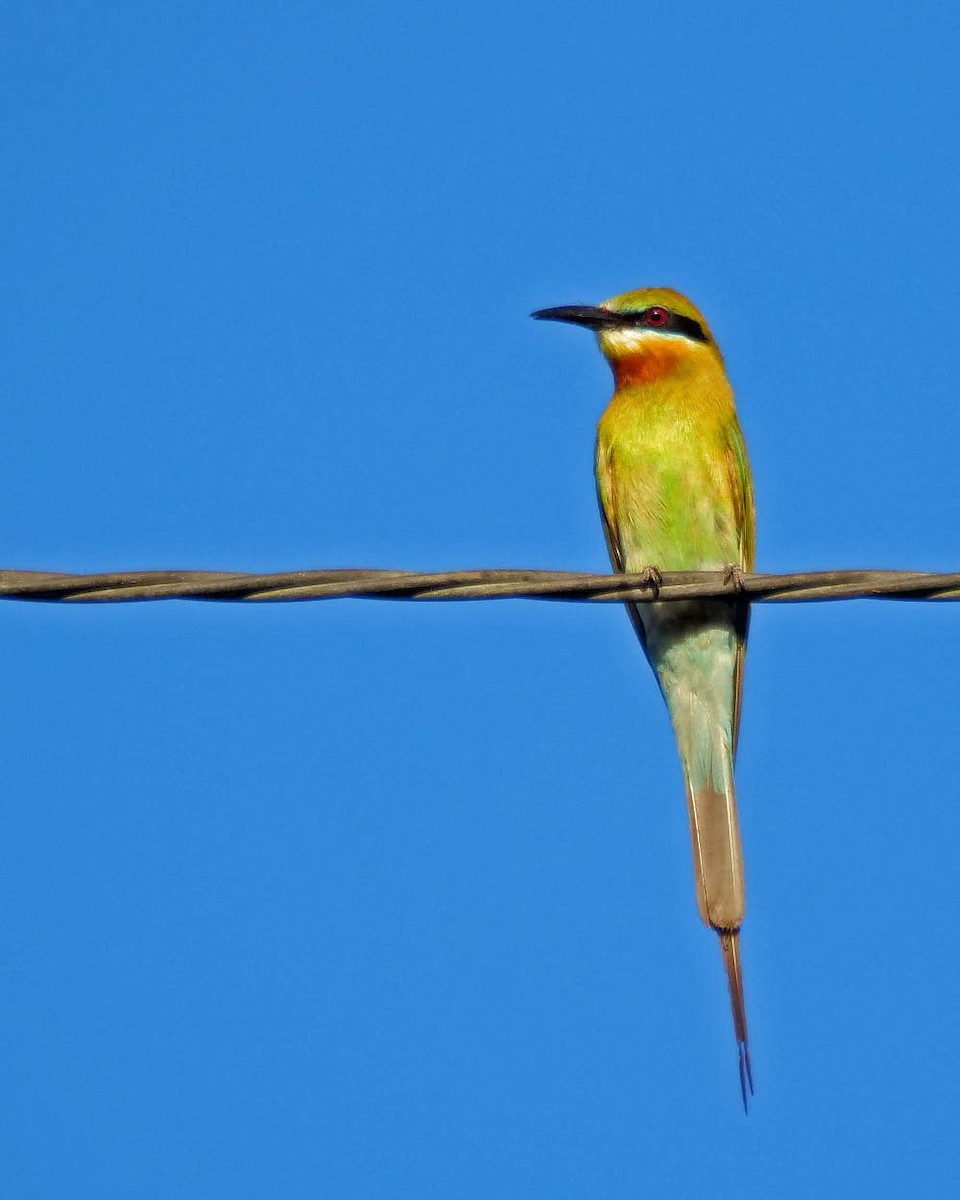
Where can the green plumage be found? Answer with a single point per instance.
(675, 493)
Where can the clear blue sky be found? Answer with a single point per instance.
(371, 900)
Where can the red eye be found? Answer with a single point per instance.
(656, 316)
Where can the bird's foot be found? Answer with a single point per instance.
(733, 577)
(651, 577)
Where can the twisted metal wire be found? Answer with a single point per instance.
(475, 585)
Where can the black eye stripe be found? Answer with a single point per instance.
(675, 323)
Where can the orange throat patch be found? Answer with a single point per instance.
(647, 365)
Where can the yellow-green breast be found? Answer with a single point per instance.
(671, 470)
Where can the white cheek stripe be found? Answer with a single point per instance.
(629, 341)
(625, 340)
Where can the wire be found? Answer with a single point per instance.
(476, 585)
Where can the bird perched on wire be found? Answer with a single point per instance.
(675, 493)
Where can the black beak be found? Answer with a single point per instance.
(580, 314)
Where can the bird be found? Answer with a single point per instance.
(676, 494)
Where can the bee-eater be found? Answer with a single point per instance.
(675, 494)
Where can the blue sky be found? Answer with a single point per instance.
(378, 900)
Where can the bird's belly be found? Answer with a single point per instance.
(676, 516)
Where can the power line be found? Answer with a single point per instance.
(475, 585)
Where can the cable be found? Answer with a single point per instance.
(475, 585)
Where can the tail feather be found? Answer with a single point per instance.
(717, 855)
(697, 653)
(721, 898)
(730, 948)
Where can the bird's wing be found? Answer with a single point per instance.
(612, 536)
(741, 489)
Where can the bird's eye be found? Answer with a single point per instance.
(656, 316)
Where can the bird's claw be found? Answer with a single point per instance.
(733, 577)
(652, 577)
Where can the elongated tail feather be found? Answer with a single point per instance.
(730, 948)
(721, 898)
(699, 664)
(717, 856)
